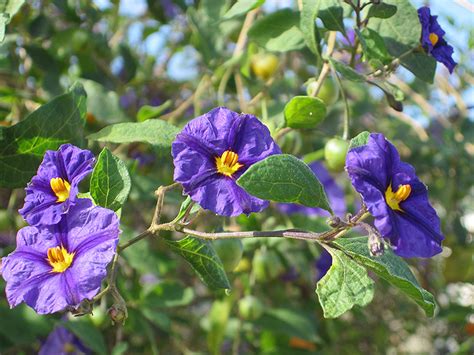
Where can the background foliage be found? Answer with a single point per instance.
(174, 60)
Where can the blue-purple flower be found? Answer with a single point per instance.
(432, 39)
(62, 342)
(333, 190)
(53, 190)
(396, 198)
(323, 264)
(56, 267)
(213, 151)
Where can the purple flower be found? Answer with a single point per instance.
(334, 192)
(52, 191)
(323, 264)
(212, 151)
(62, 342)
(432, 39)
(56, 267)
(396, 198)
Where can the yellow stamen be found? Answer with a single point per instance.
(59, 259)
(394, 198)
(60, 188)
(434, 38)
(228, 163)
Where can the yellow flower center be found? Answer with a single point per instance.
(60, 188)
(59, 258)
(434, 38)
(228, 163)
(394, 198)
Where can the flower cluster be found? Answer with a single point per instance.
(61, 259)
(432, 39)
(213, 151)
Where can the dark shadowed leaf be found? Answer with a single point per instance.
(204, 260)
(331, 13)
(23, 145)
(382, 10)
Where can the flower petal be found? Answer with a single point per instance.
(224, 197)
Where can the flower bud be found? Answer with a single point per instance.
(118, 313)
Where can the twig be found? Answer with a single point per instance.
(203, 85)
(326, 67)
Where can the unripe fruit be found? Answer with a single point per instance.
(329, 92)
(230, 252)
(250, 308)
(335, 153)
(264, 65)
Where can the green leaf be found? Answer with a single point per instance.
(309, 12)
(90, 336)
(290, 322)
(184, 206)
(103, 104)
(242, 7)
(156, 132)
(373, 45)
(168, 294)
(284, 178)
(382, 10)
(218, 320)
(400, 32)
(420, 64)
(204, 260)
(146, 112)
(331, 13)
(359, 140)
(21, 325)
(23, 145)
(110, 181)
(304, 112)
(346, 71)
(278, 31)
(8, 9)
(345, 284)
(390, 267)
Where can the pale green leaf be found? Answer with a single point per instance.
(345, 285)
(110, 182)
(156, 132)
